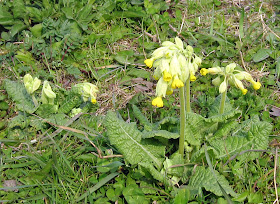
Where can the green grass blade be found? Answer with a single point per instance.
(212, 21)
(212, 169)
(98, 185)
(241, 24)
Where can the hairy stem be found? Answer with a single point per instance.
(182, 121)
(188, 96)
(223, 102)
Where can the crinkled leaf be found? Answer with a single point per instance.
(214, 109)
(58, 119)
(20, 120)
(155, 173)
(128, 140)
(19, 95)
(142, 119)
(165, 120)
(204, 178)
(160, 133)
(197, 126)
(170, 165)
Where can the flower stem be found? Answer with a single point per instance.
(182, 121)
(222, 104)
(34, 100)
(188, 95)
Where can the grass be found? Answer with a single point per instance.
(59, 165)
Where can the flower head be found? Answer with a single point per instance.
(177, 83)
(87, 90)
(149, 62)
(157, 102)
(31, 85)
(230, 75)
(48, 95)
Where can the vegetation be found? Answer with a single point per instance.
(142, 101)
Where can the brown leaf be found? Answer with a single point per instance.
(275, 111)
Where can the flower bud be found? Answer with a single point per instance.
(223, 87)
(230, 67)
(161, 87)
(167, 44)
(175, 68)
(257, 85)
(179, 43)
(159, 53)
(47, 96)
(217, 81)
(197, 60)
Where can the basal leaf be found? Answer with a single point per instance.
(18, 8)
(142, 119)
(19, 95)
(214, 109)
(261, 55)
(160, 133)
(128, 141)
(197, 126)
(20, 120)
(204, 178)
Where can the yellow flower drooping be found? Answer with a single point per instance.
(203, 71)
(192, 77)
(93, 101)
(166, 76)
(157, 102)
(177, 83)
(149, 62)
(244, 91)
(257, 85)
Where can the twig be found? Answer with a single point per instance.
(274, 175)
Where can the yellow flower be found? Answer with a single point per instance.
(169, 92)
(93, 101)
(257, 85)
(192, 77)
(166, 76)
(177, 83)
(204, 71)
(157, 102)
(149, 62)
(244, 91)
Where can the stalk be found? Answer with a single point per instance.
(223, 101)
(182, 121)
(34, 100)
(188, 95)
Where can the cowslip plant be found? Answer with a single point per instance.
(31, 85)
(220, 134)
(175, 66)
(229, 75)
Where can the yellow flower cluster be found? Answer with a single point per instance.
(87, 90)
(173, 64)
(230, 75)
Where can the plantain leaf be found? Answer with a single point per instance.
(19, 95)
(128, 140)
(204, 178)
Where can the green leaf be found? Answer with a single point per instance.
(17, 27)
(214, 109)
(204, 178)
(261, 55)
(278, 67)
(18, 8)
(155, 173)
(19, 95)
(6, 18)
(73, 100)
(197, 126)
(36, 30)
(160, 133)
(129, 142)
(141, 73)
(19, 121)
(182, 196)
(134, 195)
(142, 119)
